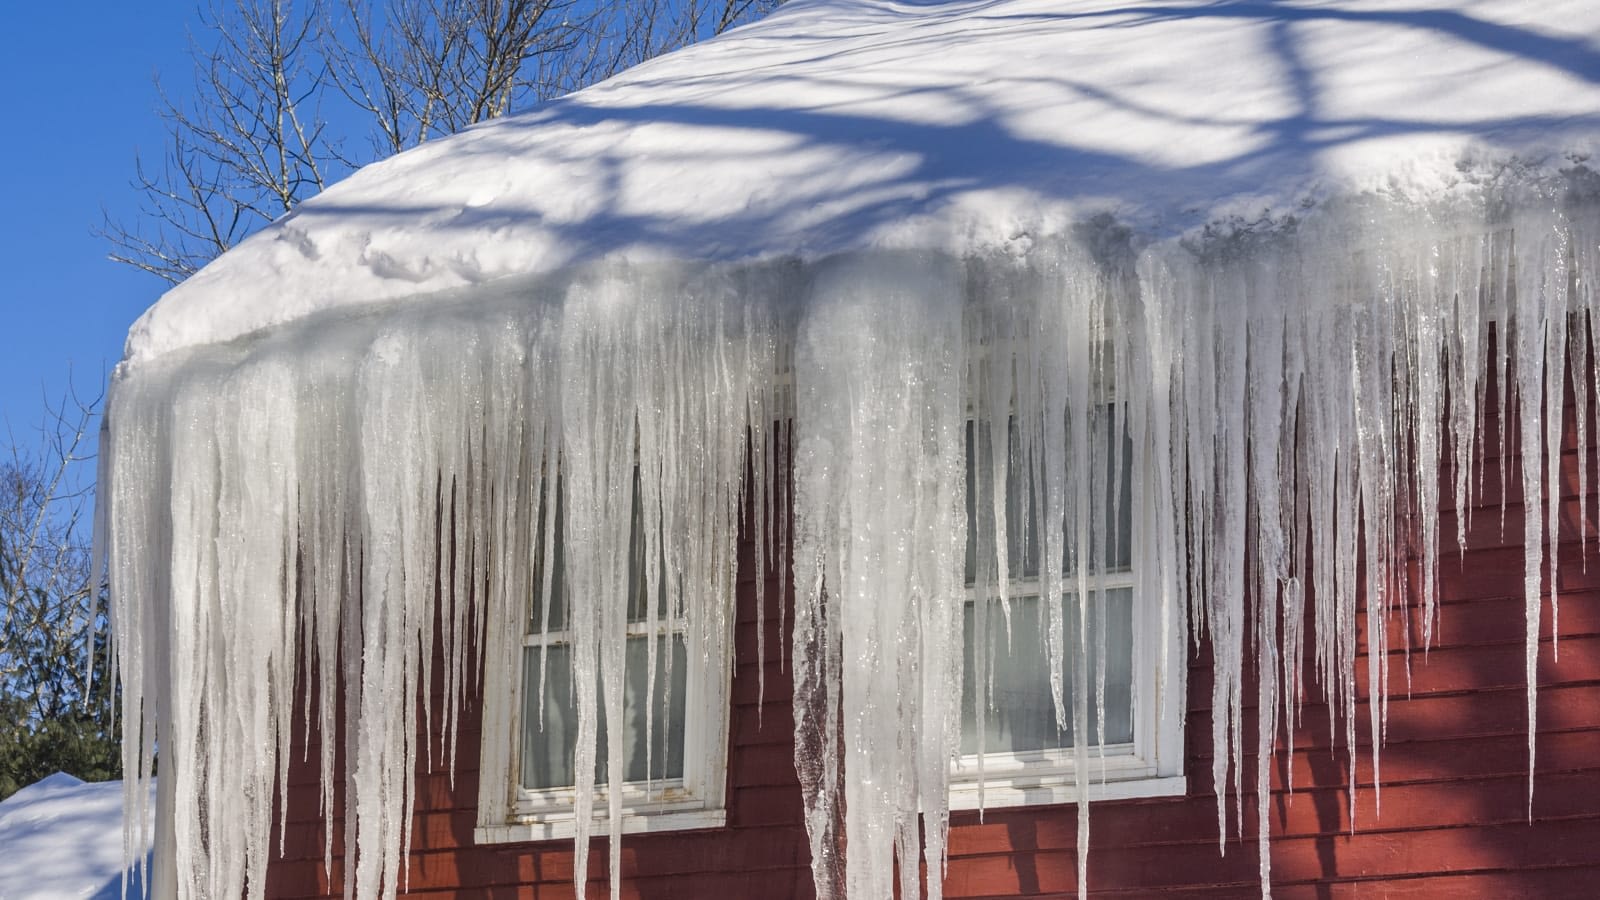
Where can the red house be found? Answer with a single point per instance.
(980, 449)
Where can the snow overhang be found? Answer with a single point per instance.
(837, 125)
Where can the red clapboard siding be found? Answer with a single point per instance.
(1451, 818)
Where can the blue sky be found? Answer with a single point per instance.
(80, 101)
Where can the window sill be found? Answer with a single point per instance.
(1007, 792)
(553, 829)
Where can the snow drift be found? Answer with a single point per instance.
(1283, 248)
(64, 838)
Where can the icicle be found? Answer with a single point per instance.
(879, 482)
(1539, 301)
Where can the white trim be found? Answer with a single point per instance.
(637, 822)
(965, 796)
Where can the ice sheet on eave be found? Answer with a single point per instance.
(847, 124)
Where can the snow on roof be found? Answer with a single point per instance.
(844, 124)
(63, 838)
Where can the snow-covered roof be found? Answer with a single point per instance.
(843, 124)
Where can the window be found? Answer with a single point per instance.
(674, 758)
(1011, 743)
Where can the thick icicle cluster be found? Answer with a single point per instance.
(878, 540)
(325, 502)
(340, 498)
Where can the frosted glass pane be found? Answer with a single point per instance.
(1021, 716)
(548, 749)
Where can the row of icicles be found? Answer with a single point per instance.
(313, 510)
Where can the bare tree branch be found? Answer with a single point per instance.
(244, 149)
(54, 715)
(47, 590)
(252, 142)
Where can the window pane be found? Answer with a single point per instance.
(666, 756)
(1022, 716)
(536, 605)
(548, 752)
(637, 585)
(1022, 519)
(547, 746)
(1112, 513)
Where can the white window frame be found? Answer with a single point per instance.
(511, 813)
(1150, 766)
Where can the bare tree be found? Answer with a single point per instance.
(426, 68)
(643, 29)
(44, 559)
(49, 620)
(243, 149)
(254, 138)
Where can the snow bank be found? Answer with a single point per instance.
(836, 125)
(63, 838)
